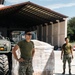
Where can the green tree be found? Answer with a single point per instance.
(71, 29)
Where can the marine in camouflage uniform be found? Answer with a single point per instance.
(27, 52)
(25, 67)
(67, 54)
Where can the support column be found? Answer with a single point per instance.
(52, 33)
(46, 32)
(65, 26)
(58, 32)
(37, 32)
(41, 32)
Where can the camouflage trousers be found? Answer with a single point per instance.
(25, 67)
(67, 58)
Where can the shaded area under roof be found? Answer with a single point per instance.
(27, 15)
(2, 1)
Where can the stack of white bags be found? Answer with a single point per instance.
(41, 61)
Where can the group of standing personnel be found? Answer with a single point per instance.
(27, 52)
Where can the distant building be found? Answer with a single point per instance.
(50, 26)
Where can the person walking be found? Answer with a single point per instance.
(67, 54)
(27, 52)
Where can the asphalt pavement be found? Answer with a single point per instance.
(59, 64)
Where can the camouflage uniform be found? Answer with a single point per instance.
(26, 67)
(67, 56)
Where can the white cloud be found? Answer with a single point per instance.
(44, 0)
(15, 1)
(56, 6)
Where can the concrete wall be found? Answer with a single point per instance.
(53, 34)
(63, 32)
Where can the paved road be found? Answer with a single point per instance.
(58, 64)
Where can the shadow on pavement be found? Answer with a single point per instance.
(50, 62)
(62, 74)
(73, 65)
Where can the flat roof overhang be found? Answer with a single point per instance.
(27, 15)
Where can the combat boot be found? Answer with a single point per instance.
(70, 72)
(63, 72)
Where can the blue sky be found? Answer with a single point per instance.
(66, 7)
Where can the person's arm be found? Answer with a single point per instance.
(62, 53)
(72, 52)
(15, 55)
(33, 51)
(14, 51)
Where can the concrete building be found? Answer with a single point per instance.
(51, 26)
(53, 33)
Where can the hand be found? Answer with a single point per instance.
(72, 57)
(61, 57)
(21, 60)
